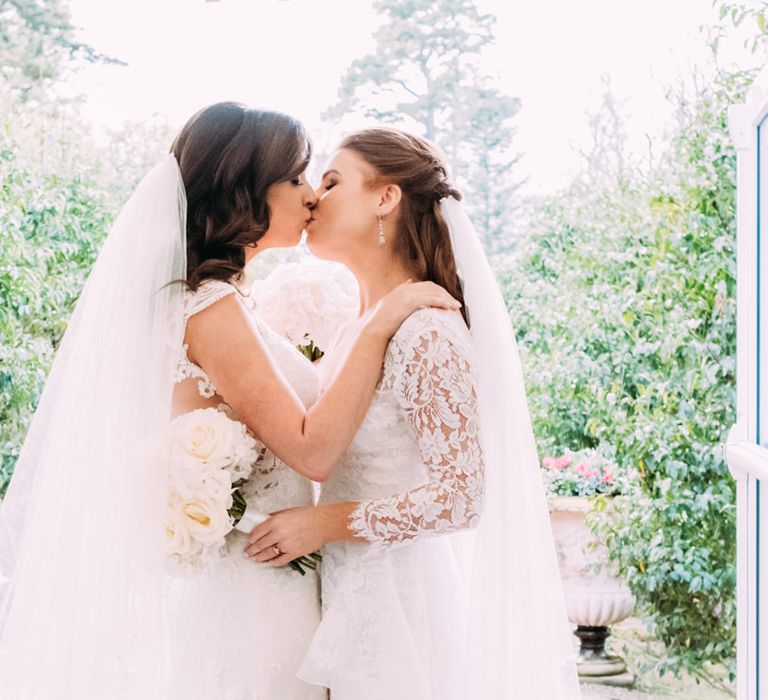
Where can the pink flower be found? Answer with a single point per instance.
(562, 462)
(607, 477)
(549, 462)
(582, 468)
(592, 472)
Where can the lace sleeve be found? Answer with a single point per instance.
(437, 391)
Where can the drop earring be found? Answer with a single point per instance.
(382, 240)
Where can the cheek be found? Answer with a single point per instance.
(341, 214)
(286, 212)
(285, 203)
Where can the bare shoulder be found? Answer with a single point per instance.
(224, 322)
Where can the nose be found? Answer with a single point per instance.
(310, 198)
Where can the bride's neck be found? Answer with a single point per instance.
(376, 281)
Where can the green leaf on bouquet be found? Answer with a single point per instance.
(310, 561)
(310, 350)
(237, 510)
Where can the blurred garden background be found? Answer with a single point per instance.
(618, 270)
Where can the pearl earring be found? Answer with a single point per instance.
(382, 240)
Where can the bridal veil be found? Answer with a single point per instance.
(82, 526)
(520, 644)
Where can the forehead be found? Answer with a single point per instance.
(347, 162)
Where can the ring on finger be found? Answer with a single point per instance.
(276, 550)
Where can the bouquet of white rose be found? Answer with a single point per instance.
(210, 457)
(307, 302)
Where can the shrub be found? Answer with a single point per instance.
(623, 298)
(50, 229)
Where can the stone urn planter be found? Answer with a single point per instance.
(595, 597)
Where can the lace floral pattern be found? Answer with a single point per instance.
(239, 631)
(431, 374)
(207, 293)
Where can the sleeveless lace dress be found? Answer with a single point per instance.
(392, 624)
(239, 629)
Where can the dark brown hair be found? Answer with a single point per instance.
(229, 155)
(418, 168)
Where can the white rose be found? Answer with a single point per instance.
(307, 299)
(188, 476)
(181, 545)
(246, 448)
(205, 434)
(244, 453)
(201, 518)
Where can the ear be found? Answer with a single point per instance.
(389, 198)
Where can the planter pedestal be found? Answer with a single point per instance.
(593, 659)
(595, 598)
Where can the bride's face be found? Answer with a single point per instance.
(290, 206)
(346, 215)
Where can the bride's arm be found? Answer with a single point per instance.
(223, 341)
(437, 392)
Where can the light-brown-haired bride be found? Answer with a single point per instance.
(439, 577)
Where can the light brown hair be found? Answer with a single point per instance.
(417, 167)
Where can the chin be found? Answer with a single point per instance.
(317, 250)
(292, 241)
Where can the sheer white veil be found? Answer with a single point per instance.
(82, 526)
(520, 643)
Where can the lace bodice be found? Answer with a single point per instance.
(272, 485)
(416, 463)
(238, 628)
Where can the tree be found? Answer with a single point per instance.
(37, 43)
(755, 12)
(423, 75)
(606, 160)
(58, 193)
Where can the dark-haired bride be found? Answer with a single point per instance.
(167, 398)
(439, 575)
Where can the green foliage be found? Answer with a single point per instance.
(37, 44)
(423, 76)
(58, 192)
(50, 228)
(623, 296)
(749, 14)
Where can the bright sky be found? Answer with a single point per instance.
(290, 54)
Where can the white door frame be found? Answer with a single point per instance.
(747, 458)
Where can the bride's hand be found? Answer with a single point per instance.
(299, 531)
(402, 301)
(286, 535)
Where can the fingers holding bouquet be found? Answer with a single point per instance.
(287, 537)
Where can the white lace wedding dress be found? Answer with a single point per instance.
(392, 624)
(239, 629)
